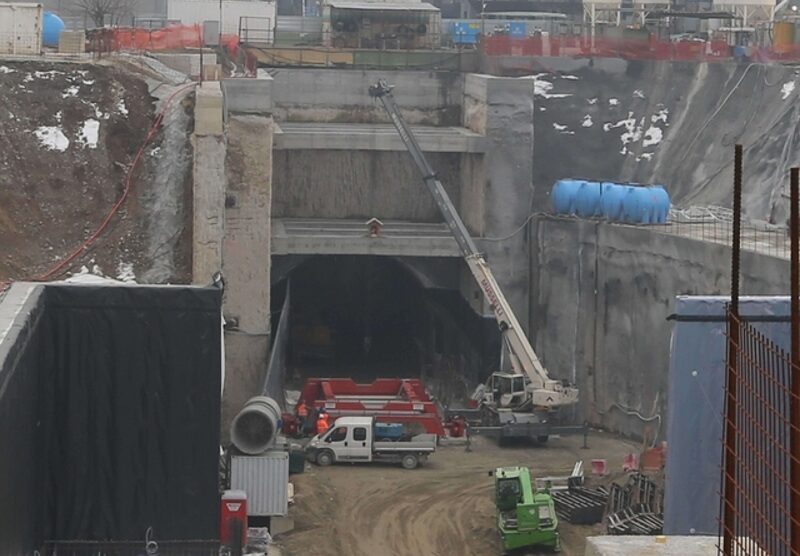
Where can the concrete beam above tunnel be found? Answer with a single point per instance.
(375, 137)
(298, 236)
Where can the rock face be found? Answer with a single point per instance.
(69, 133)
(670, 123)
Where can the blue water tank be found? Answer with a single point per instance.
(52, 25)
(587, 202)
(662, 204)
(636, 206)
(563, 196)
(611, 201)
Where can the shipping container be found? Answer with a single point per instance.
(265, 479)
(21, 28)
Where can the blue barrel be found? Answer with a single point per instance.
(52, 25)
(636, 206)
(611, 201)
(587, 202)
(662, 204)
(563, 196)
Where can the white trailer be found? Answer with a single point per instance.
(21, 28)
(353, 439)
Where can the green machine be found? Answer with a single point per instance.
(525, 517)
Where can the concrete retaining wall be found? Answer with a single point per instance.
(600, 298)
(323, 95)
(359, 184)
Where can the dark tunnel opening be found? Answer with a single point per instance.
(366, 317)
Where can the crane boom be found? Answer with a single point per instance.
(546, 391)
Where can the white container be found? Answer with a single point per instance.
(21, 28)
(191, 12)
(265, 479)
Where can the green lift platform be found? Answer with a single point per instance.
(525, 516)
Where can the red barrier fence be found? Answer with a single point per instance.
(174, 37)
(631, 49)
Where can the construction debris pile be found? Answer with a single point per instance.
(637, 508)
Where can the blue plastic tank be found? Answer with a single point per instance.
(662, 204)
(611, 200)
(52, 25)
(636, 206)
(587, 202)
(563, 196)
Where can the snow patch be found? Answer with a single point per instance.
(644, 156)
(652, 136)
(46, 74)
(787, 89)
(638, 93)
(155, 151)
(587, 121)
(562, 129)
(89, 133)
(71, 91)
(125, 273)
(52, 138)
(28, 78)
(88, 82)
(86, 276)
(542, 109)
(542, 88)
(121, 107)
(613, 102)
(6, 69)
(58, 116)
(632, 133)
(573, 77)
(661, 116)
(591, 100)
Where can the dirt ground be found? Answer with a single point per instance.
(443, 508)
(69, 132)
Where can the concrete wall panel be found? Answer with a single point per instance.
(323, 95)
(600, 298)
(359, 184)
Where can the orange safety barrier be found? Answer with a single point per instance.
(631, 49)
(174, 37)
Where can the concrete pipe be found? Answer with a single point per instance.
(255, 427)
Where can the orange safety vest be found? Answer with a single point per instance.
(322, 425)
(302, 410)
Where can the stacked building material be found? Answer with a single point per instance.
(636, 508)
(581, 505)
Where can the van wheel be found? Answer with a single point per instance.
(324, 458)
(409, 461)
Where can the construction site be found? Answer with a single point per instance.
(371, 278)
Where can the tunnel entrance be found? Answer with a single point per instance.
(366, 317)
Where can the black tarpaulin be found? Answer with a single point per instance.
(129, 393)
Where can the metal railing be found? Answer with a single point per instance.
(715, 224)
(757, 457)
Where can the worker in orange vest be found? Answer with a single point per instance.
(302, 416)
(322, 422)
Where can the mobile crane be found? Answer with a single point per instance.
(519, 401)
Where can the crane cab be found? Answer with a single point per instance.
(506, 390)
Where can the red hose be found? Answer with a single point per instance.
(154, 128)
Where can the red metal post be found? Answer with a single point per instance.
(794, 405)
